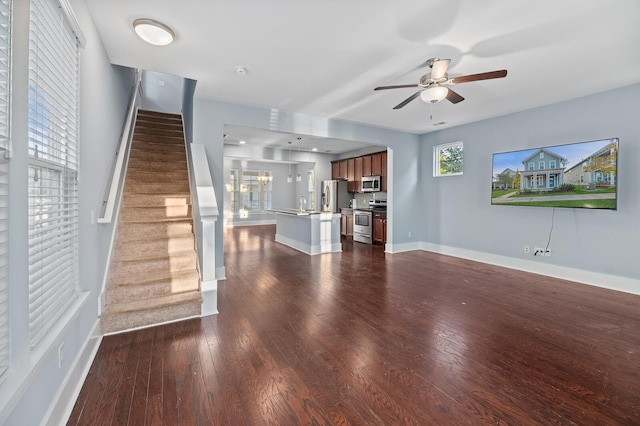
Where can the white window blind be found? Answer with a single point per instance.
(53, 166)
(5, 102)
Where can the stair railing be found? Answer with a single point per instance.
(123, 151)
(205, 214)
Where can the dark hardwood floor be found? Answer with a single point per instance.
(363, 337)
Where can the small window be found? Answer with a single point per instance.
(541, 154)
(552, 164)
(448, 159)
(541, 165)
(532, 166)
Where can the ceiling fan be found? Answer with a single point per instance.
(433, 86)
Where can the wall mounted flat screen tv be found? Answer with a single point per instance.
(578, 175)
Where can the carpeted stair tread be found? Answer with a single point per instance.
(169, 176)
(131, 231)
(155, 188)
(156, 302)
(146, 165)
(158, 132)
(164, 115)
(116, 322)
(148, 200)
(176, 283)
(154, 277)
(147, 122)
(149, 247)
(157, 155)
(154, 213)
(151, 278)
(156, 145)
(152, 264)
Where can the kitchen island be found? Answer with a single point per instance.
(310, 232)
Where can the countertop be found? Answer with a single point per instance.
(297, 212)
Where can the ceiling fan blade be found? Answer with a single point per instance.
(439, 68)
(453, 97)
(401, 86)
(409, 99)
(475, 77)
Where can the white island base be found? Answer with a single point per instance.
(310, 233)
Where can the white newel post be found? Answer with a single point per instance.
(208, 282)
(206, 217)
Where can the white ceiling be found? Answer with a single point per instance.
(324, 57)
(276, 140)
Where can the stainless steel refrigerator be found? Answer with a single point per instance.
(335, 194)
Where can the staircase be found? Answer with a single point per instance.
(153, 276)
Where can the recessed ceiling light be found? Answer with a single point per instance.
(153, 32)
(314, 149)
(241, 142)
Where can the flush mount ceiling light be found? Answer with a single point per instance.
(153, 32)
(434, 94)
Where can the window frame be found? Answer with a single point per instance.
(5, 155)
(437, 150)
(53, 163)
(238, 188)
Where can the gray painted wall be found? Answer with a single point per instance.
(35, 377)
(405, 217)
(162, 92)
(457, 210)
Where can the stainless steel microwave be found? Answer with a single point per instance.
(370, 184)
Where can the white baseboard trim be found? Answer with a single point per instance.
(209, 291)
(232, 224)
(307, 248)
(611, 282)
(68, 393)
(399, 248)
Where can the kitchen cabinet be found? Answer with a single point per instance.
(335, 170)
(343, 169)
(366, 165)
(351, 175)
(376, 164)
(380, 227)
(339, 170)
(354, 169)
(357, 173)
(346, 223)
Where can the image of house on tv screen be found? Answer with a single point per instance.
(580, 175)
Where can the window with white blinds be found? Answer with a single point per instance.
(53, 166)
(5, 102)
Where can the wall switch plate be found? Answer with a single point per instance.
(526, 249)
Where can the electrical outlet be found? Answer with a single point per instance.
(526, 249)
(60, 355)
(539, 251)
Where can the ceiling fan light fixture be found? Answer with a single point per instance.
(434, 94)
(153, 32)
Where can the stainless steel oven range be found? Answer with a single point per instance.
(363, 226)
